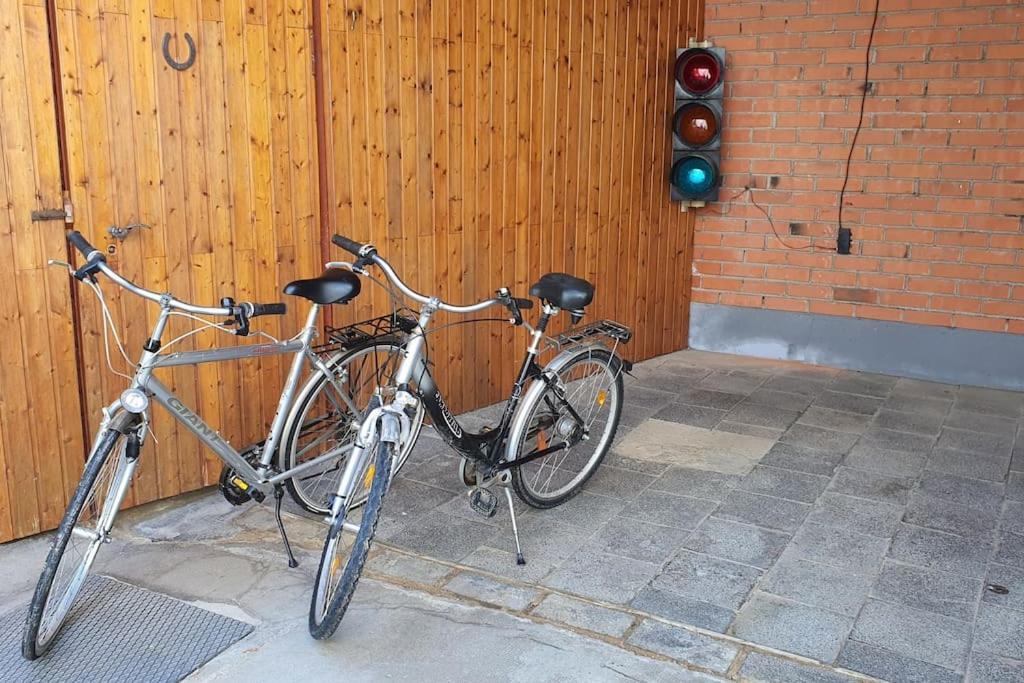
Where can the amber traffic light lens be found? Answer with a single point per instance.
(696, 125)
(698, 72)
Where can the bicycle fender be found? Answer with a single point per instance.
(537, 387)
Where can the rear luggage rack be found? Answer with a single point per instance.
(349, 336)
(609, 328)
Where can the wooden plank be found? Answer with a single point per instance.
(400, 137)
(340, 137)
(424, 89)
(305, 191)
(219, 383)
(52, 362)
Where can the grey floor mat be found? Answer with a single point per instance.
(120, 632)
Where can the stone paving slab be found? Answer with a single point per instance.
(916, 634)
(792, 627)
(689, 446)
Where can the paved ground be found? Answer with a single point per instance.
(749, 507)
(854, 519)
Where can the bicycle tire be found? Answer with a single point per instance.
(307, 397)
(32, 647)
(323, 626)
(524, 488)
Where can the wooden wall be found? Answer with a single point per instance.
(478, 144)
(481, 144)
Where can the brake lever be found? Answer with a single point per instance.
(243, 322)
(239, 317)
(509, 302)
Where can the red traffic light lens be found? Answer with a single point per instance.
(696, 125)
(698, 71)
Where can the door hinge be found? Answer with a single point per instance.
(66, 214)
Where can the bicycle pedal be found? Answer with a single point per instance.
(483, 502)
(234, 489)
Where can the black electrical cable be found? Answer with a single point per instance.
(771, 223)
(845, 236)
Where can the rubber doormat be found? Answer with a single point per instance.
(120, 632)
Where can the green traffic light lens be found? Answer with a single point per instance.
(693, 176)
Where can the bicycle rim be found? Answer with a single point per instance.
(83, 542)
(592, 387)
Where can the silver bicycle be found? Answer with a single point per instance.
(557, 426)
(310, 438)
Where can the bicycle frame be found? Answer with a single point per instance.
(258, 477)
(486, 448)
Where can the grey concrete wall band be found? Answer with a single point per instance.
(987, 359)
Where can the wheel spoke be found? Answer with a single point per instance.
(328, 410)
(578, 407)
(83, 541)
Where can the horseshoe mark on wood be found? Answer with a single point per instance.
(175, 64)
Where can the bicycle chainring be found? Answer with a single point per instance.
(232, 487)
(235, 489)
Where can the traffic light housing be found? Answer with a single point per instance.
(695, 175)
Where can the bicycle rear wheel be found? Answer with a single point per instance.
(323, 421)
(580, 410)
(83, 530)
(344, 553)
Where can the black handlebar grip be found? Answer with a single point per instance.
(81, 244)
(524, 303)
(268, 309)
(351, 246)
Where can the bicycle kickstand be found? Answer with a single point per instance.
(278, 495)
(515, 528)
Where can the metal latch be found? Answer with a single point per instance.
(66, 214)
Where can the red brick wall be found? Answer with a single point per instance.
(936, 192)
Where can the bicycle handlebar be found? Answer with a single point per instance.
(367, 253)
(96, 261)
(81, 244)
(351, 246)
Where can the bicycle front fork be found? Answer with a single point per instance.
(387, 424)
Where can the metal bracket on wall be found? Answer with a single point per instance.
(699, 43)
(175, 64)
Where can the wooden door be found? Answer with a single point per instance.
(219, 161)
(41, 446)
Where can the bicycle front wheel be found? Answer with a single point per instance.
(79, 537)
(575, 416)
(345, 552)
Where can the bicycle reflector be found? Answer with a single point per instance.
(697, 125)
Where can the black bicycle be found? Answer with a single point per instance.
(556, 428)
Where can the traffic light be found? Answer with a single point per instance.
(697, 125)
